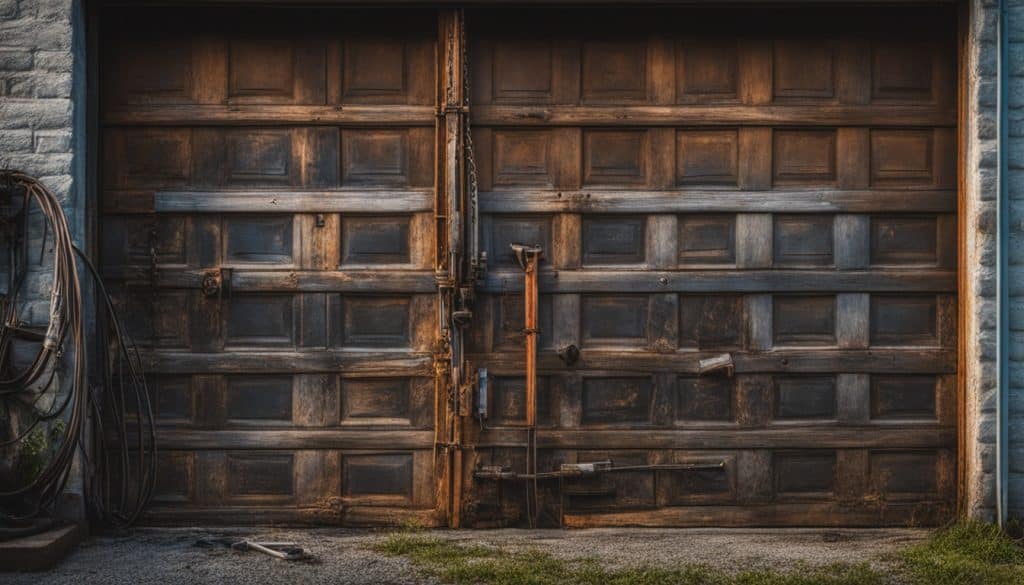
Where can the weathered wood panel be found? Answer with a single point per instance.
(268, 228)
(772, 187)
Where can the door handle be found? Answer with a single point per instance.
(217, 283)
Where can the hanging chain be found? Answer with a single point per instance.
(478, 259)
(154, 235)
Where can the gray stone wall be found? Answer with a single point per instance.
(979, 295)
(1014, 179)
(37, 82)
(42, 123)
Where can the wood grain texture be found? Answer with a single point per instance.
(776, 186)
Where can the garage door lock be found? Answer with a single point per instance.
(217, 283)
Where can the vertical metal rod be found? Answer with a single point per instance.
(528, 258)
(531, 375)
(530, 303)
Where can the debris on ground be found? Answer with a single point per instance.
(339, 556)
(286, 551)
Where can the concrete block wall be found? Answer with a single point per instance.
(1014, 179)
(37, 92)
(979, 297)
(42, 133)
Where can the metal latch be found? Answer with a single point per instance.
(481, 393)
(718, 363)
(585, 468)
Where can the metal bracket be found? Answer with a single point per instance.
(525, 253)
(481, 393)
(719, 363)
(478, 267)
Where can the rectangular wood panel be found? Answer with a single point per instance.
(251, 398)
(804, 320)
(707, 239)
(613, 240)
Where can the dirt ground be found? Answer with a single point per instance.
(171, 556)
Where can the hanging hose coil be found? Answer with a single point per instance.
(119, 397)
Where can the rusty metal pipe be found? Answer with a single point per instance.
(528, 258)
(572, 471)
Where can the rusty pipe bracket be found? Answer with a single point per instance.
(526, 255)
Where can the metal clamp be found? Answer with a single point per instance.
(524, 254)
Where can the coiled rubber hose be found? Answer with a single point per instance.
(120, 432)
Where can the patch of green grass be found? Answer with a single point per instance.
(464, 564)
(971, 553)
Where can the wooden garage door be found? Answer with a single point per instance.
(267, 223)
(777, 185)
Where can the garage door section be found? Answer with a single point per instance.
(776, 186)
(267, 223)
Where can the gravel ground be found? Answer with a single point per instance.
(170, 556)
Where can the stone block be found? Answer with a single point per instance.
(1015, 23)
(52, 141)
(15, 141)
(986, 428)
(40, 85)
(35, 113)
(987, 93)
(986, 124)
(38, 164)
(31, 33)
(15, 60)
(1014, 86)
(1017, 349)
(8, 9)
(988, 155)
(987, 458)
(987, 376)
(53, 10)
(58, 61)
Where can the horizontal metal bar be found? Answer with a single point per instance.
(559, 474)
